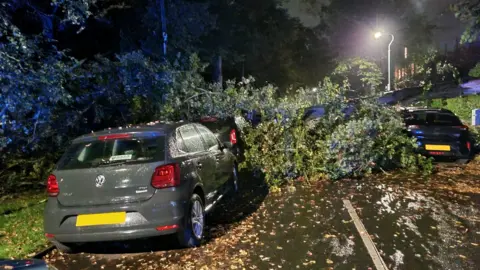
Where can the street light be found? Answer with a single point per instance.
(377, 36)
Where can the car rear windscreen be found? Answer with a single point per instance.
(92, 154)
(432, 119)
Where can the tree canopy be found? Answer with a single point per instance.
(70, 67)
(468, 12)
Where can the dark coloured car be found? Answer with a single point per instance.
(228, 132)
(312, 114)
(137, 182)
(31, 264)
(439, 133)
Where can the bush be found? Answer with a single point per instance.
(461, 106)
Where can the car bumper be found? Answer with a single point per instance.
(116, 235)
(143, 219)
(457, 151)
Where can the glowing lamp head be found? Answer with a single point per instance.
(378, 35)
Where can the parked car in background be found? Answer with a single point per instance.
(439, 133)
(228, 131)
(137, 182)
(253, 117)
(312, 114)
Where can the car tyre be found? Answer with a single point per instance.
(192, 232)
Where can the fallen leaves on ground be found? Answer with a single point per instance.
(310, 229)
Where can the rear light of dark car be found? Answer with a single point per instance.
(166, 176)
(463, 127)
(114, 136)
(469, 146)
(233, 136)
(52, 186)
(413, 127)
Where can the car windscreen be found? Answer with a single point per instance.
(92, 154)
(432, 119)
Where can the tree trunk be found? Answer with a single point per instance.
(164, 25)
(217, 70)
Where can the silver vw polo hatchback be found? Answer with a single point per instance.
(137, 182)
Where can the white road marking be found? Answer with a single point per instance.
(367, 240)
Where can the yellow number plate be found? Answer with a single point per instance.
(101, 219)
(437, 147)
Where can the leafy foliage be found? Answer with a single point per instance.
(370, 139)
(475, 71)
(49, 97)
(428, 69)
(468, 12)
(461, 106)
(367, 73)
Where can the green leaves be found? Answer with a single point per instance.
(339, 144)
(367, 72)
(475, 72)
(468, 12)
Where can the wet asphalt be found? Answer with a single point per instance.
(415, 222)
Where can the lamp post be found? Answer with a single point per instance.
(377, 36)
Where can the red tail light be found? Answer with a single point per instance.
(166, 176)
(462, 127)
(167, 227)
(114, 136)
(49, 235)
(468, 146)
(233, 136)
(52, 186)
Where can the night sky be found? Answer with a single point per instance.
(437, 10)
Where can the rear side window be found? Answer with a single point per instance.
(432, 118)
(208, 137)
(191, 139)
(111, 152)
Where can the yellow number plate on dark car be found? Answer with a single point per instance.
(437, 147)
(101, 219)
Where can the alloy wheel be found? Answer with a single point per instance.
(197, 219)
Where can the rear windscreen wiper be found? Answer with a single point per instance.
(113, 162)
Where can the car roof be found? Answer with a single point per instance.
(161, 127)
(431, 110)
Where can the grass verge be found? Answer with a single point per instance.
(21, 225)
